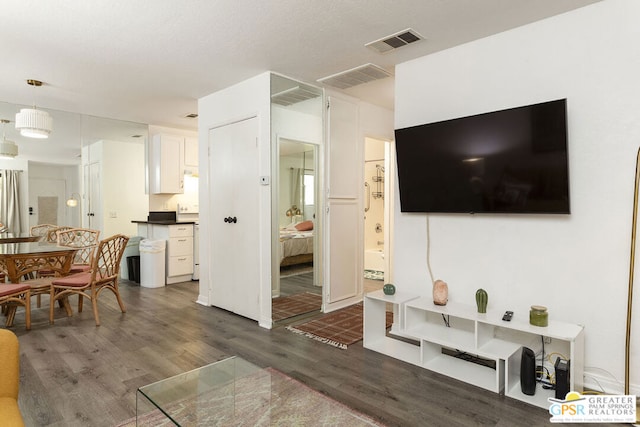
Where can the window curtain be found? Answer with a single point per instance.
(296, 186)
(10, 201)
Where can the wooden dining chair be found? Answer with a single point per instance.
(12, 295)
(41, 230)
(52, 234)
(39, 283)
(104, 274)
(83, 238)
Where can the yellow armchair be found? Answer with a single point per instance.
(9, 380)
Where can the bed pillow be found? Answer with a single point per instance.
(304, 226)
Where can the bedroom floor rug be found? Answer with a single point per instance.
(340, 328)
(294, 305)
(267, 398)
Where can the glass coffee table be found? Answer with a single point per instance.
(205, 396)
(234, 392)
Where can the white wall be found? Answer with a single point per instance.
(575, 265)
(123, 193)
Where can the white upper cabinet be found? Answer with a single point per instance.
(190, 152)
(166, 173)
(170, 157)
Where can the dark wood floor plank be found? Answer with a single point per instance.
(77, 374)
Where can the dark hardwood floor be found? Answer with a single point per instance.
(76, 374)
(298, 284)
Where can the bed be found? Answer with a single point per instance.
(296, 244)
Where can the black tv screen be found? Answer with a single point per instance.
(508, 161)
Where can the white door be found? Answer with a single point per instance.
(344, 247)
(234, 214)
(47, 201)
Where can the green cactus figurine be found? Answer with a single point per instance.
(482, 298)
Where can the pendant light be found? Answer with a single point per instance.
(34, 123)
(72, 202)
(8, 149)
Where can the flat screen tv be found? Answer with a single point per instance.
(508, 161)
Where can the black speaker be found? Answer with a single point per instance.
(562, 377)
(528, 372)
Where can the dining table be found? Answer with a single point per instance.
(18, 238)
(21, 259)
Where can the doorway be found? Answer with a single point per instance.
(234, 201)
(46, 201)
(297, 288)
(376, 209)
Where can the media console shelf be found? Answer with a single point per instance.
(480, 349)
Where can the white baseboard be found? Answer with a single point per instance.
(607, 384)
(203, 300)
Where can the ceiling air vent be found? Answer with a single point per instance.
(362, 74)
(294, 95)
(394, 41)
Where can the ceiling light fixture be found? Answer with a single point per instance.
(34, 123)
(8, 149)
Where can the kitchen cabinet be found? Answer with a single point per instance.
(179, 249)
(170, 158)
(190, 152)
(166, 170)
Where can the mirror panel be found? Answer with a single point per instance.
(51, 167)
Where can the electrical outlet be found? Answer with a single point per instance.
(547, 340)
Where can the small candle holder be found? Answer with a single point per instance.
(538, 315)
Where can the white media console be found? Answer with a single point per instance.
(484, 337)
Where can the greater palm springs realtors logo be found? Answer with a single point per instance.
(576, 408)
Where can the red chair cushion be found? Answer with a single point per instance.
(12, 289)
(79, 268)
(75, 280)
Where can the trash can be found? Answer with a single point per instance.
(152, 263)
(133, 268)
(129, 267)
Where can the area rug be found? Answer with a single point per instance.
(374, 274)
(340, 328)
(294, 305)
(264, 398)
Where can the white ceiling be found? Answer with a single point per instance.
(149, 61)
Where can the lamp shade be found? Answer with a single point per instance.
(72, 202)
(8, 149)
(34, 123)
